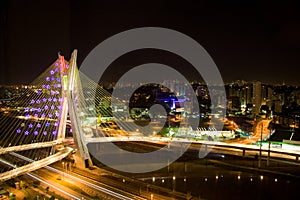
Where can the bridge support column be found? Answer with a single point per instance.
(244, 152)
(80, 162)
(82, 156)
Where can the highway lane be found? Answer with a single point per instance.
(247, 147)
(71, 177)
(223, 151)
(260, 131)
(68, 184)
(46, 182)
(120, 187)
(35, 165)
(25, 147)
(60, 189)
(135, 189)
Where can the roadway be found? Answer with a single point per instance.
(54, 186)
(35, 165)
(132, 188)
(223, 147)
(49, 175)
(96, 183)
(189, 140)
(261, 131)
(74, 187)
(25, 147)
(234, 148)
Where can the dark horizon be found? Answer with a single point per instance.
(249, 40)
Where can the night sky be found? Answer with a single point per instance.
(250, 40)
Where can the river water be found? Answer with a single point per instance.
(210, 182)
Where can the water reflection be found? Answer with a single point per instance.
(229, 185)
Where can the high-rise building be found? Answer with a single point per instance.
(246, 95)
(233, 103)
(277, 106)
(257, 97)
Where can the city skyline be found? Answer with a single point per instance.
(56, 120)
(249, 41)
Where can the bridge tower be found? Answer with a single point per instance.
(70, 92)
(64, 104)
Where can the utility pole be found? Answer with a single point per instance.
(259, 161)
(269, 147)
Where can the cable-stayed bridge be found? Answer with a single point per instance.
(34, 124)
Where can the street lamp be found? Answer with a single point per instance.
(259, 161)
(63, 164)
(269, 149)
(174, 183)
